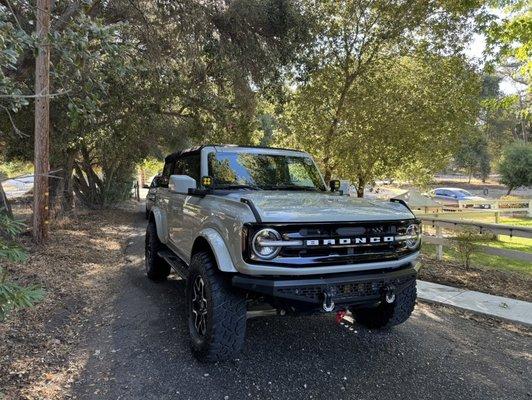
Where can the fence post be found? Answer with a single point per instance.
(530, 208)
(137, 191)
(439, 247)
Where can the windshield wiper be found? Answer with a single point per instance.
(292, 187)
(229, 187)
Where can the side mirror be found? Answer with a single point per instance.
(334, 185)
(181, 183)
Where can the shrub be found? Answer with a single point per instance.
(516, 165)
(466, 243)
(12, 295)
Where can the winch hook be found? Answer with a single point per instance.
(328, 303)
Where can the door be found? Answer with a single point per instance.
(178, 223)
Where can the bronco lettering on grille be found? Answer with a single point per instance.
(349, 241)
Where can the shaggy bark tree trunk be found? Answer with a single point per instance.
(360, 187)
(61, 190)
(4, 202)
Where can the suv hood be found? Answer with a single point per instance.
(290, 206)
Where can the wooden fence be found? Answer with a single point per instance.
(466, 209)
(439, 224)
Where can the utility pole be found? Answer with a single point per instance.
(42, 124)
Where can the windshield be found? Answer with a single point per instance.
(464, 192)
(237, 170)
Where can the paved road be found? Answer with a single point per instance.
(141, 352)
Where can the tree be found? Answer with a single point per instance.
(510, 41)
(403, 119)
(134, 76)
(516, 165)
(353, 37)
(473, 155)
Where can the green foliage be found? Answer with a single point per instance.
(473, 155)
(141, 78)
(12, 295)
(379, 96)
(14, 42)
(402, 120)
(510, 45)
(466, 243)
(516, 165)
(13, 168)
(152, 166)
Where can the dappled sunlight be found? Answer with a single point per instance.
(76, 269)
(423, 310)
(57, 383)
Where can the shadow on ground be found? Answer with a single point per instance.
(139, 350)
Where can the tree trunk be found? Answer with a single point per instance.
(61, 191)
(327, 175)
(42, 124)
(4, 202)
(360, 187)
(68, 194)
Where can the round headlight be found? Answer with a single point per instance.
(260, 249)
(414, 231)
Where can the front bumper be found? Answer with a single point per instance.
(272, 270)
(368, 287)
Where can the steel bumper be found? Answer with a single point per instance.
(350, 288)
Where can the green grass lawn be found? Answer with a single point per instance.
(504, 242)
(488, 260)
(517, 221)
(513, 243)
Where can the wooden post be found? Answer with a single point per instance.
(530, 208)
(42, 124)
(439, 247)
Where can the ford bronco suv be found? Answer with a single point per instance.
(249, 226)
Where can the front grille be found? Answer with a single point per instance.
(323, 244)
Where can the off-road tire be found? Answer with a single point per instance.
(387, 315)
(225, 316)
(157, 268)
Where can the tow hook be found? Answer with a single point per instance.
(328, 303)
(389, 294)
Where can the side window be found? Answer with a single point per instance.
(188, 165)
(299, 174)
(448, 193)
(165, 177)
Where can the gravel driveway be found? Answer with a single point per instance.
(139, 350)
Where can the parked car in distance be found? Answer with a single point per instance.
(152, 192)
(452, 196)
